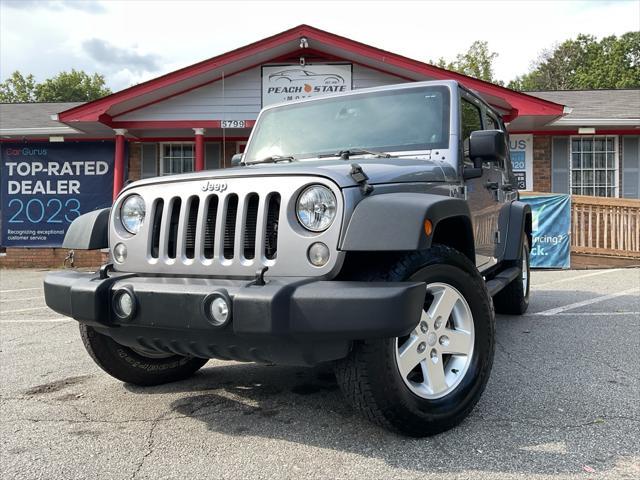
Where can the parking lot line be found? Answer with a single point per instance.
(578, 277)
(557, 310)
(20, 290)
(42, 320)
(24, 310)
(588, 314)
(21, 299)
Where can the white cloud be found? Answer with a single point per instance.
(89, 6)
(45, 41)
(111, 56)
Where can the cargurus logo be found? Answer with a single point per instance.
(213, 186)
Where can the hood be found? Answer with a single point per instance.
(379, 170)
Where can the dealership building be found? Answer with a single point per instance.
(60, 160)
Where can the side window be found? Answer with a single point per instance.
(492, 123)
(471, 121)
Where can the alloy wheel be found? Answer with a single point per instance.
(434, 358)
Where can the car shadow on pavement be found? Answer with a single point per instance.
(305, 406)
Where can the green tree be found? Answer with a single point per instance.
(18, 88)
(73, 86)
(476, 62)
(586, 63)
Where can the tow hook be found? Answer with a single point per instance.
(69, 258)
(259, 280)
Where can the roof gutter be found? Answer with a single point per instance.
(603, 122)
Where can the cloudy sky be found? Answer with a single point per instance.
(129, 41)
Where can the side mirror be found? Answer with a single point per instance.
(236, 160)
(487, 146)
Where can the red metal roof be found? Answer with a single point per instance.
(287, 42)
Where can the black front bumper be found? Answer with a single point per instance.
(297, 321)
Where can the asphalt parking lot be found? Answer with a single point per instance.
(563, 401)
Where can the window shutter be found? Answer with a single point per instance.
(560, 165)
(149, 160)
(211, 156)
(630, 167)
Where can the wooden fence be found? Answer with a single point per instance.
(605, 226)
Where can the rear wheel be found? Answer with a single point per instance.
(430, 380)
(514, 298)
(136, 366)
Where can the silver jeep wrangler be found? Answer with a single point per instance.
(374, 230)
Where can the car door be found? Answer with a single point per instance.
(482, 192)
(499, 173)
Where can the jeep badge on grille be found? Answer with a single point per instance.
(214, 186)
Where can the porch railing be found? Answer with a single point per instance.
(605, 226)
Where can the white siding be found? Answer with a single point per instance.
(364, 77)
(241, 100)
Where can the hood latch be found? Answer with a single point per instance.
(361, 178)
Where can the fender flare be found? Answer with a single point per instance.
(519, 225)
(395, 221)
(89, 231)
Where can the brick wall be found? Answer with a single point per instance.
(49, 258)
(542, 163)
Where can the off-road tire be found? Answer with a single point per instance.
(130, 366)
(369, 376)
(514, 298)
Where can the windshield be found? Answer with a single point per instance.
(388, 121)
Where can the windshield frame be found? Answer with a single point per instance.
(443, 144)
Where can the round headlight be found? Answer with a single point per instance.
(316, 208)
(132, 213)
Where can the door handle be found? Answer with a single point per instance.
(492, 185)
(507, 187)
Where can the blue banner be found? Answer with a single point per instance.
(45, 186)
(551, 219)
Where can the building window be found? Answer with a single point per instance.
(594, 166)
(176, 158)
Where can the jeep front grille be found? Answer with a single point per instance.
(175, 233)
(227, 228)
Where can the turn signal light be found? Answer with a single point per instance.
(428, 227)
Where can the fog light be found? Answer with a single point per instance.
(120, 252)
(124, 303)
(318, 254)
(217, 308)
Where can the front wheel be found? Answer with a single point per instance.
(135, 366)
(430, 380)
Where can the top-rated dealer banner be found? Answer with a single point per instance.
(46, 186)
(292, 82)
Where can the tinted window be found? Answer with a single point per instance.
(470, 122)
(471, 119)
(491, 123)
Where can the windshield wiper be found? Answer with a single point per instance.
(345, 154)
(274, 159)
